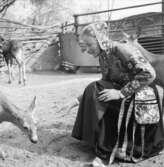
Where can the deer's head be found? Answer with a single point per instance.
(27, 122)
(132, 39)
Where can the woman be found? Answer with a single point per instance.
(121, 114)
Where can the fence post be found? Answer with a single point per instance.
(62, 28)
(162, 26)
(162, 18)
(76, 22)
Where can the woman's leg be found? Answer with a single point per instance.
(96, 121)
(90, 113)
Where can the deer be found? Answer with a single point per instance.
(23, 119)
(156, 60)
(13, 50)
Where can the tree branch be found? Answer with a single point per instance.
(5, 4)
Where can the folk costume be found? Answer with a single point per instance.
(130, 128)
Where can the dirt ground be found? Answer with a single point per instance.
(55, 148)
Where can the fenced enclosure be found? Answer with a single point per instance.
(148, 28)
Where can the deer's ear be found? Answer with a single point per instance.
(32, 105)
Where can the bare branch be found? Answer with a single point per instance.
(5, 4)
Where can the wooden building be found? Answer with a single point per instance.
(148, 28)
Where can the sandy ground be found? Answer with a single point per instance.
(55, 148)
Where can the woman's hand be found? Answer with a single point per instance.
(110, 94)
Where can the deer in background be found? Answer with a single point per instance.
(23, 119)
(157, 60)
(12, 50)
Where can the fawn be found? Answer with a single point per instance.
(13, 50)
(23, 119)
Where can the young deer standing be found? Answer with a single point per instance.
(12, 50)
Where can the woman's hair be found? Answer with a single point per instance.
(99, 31)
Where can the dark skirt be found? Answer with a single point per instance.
(97, 124)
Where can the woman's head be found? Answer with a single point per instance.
(94, 38)
(89, 42)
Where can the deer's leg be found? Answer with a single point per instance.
(20, 70)
(24, 73)
(20, 74)
(12, 74)
(9, 70)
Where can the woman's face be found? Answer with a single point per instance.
(90, 45)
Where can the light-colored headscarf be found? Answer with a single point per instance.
(99, 30)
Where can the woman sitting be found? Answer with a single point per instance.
(121, 114)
